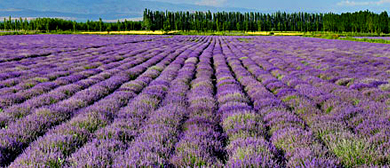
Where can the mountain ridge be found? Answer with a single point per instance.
(93, 10)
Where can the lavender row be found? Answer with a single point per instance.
(34, 71)
(300, 104)
(359, 110)
(45, 70)
(35, 65)
(44, 52)
(61, 93)
(139, 118)
(83, 125)
(362, 154)
(17, 77)
(12, 45)
(186, 101)
(171, 151)
(200, 142)
(246, 145)
(29, 128)
(19, 97)
(367, 120)
(300, 146)
(124, 127)
(373, 88)
(154, 143)
(354, 66)
(70, 79)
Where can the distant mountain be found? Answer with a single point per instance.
(82, 10)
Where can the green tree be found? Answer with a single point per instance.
(125, 25)
(118, 24)
(147, 22)
(74, 26)
(5, 24)
(26, 27)
(47, 26)
(167, 26)
(87, 24)
(100, 24)
(10, 23)
(259, 25)
(108, 29)
(384, 22)
(21, 23)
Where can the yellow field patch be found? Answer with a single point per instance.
(259, 33)
(288, 34)
(263, 33)
(130, 32)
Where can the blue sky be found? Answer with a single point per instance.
(296, 5)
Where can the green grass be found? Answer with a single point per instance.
(324, 34)
(329, 109)
(15, 33)
(41, 79)
(245, 39)
(29, 85)
(354, 153)
(366, 40)
(30, 32)
(349, 36)
(90, 67)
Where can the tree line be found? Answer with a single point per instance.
(362, 21)
(57, 24)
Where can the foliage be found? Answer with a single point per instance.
(362, 21)
(60, 25)
(357, 22)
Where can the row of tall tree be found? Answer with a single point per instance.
(362, 21)
(56, 24)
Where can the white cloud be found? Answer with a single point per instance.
(364, 3)
(383, 2)
(31, 18)
(123, 19)
(211, 2)
(10, 10)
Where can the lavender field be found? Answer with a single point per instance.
(197, 101)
